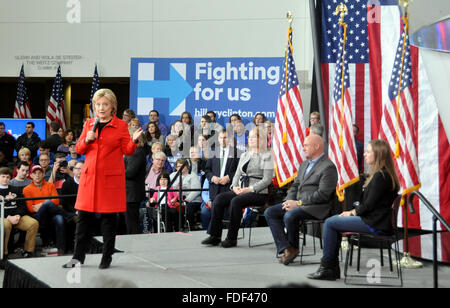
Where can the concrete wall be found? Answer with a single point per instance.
(81, 33)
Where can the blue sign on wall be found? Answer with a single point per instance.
(225, 85)
(16, 127)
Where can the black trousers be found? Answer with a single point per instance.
(83, 234)
(236, 203)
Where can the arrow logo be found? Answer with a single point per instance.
(176, 89)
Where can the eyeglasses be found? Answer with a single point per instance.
(76, 168)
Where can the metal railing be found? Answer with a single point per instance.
(3, 201)
(436, 217)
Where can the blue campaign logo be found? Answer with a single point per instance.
(244, 86)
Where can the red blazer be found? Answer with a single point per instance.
(102, 181)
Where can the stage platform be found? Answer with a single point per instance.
(178, 260)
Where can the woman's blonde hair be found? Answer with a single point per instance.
(24, 151)
(109, 95)
(134, 121)
(383, 160)
(261, 136)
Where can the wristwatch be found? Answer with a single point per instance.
(299, 203)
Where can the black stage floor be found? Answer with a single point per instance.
(178, 260)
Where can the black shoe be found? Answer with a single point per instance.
(27, 254)
(327, 271)
(229, 243)
(72, 263)
(212, 240)
(105, 263)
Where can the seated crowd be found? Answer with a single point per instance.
(222, 171)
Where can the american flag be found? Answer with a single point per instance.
(289, 133)
(342, 149)
(55, 110)
(22, 106)
(373, 35)
(398, 125)
(94, 88)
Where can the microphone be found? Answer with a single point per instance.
(97, 120)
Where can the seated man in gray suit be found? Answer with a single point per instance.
(310, 197)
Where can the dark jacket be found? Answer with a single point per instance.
(316, 190)
(69, 187)
(135, 174)
(54, 141)
(7, 145)
(16, 207)
(212, 168)
(31, 144)
(376, 204)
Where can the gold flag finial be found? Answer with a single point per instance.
(404, 3)
(342, 10)
(289, 18)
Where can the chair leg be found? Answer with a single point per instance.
(359, 255)
(381, 257)
(351, 254)
(390, 260)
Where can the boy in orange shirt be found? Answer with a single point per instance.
(47, 212)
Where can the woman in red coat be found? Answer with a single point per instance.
(104, 141)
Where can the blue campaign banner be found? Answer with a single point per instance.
(16, 127)
(225, 85)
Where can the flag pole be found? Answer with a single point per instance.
(406, 261)
(317, 71)
(289, 19)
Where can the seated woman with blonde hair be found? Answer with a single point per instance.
(373, 215)
(249, 187)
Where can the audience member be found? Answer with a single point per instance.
(153, 134)
(259, 119)
(220, 168)
(205, 208)
(135, 183)
(156, 148)
(214, 125)
(134, 124)
(23, 155)
(154, 170)
(196, 164)
(44, 162)
(16, 215)
(238, 131)
(310, 197)
(46, 212)
(153, 116)
(70, 187)
(54, 140)
(192, 198)
(68, 137)
(268, 126)
(249, 187)
(3, 161)
(172, 151)
(7, 143)
(73, 155)
(44, 148)
(60, 171)
(314, 118)
(127, 115)
(317, 129)
(203, 145)
(169, 206)
(22, 178)
(29, 140)
(373, 215)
